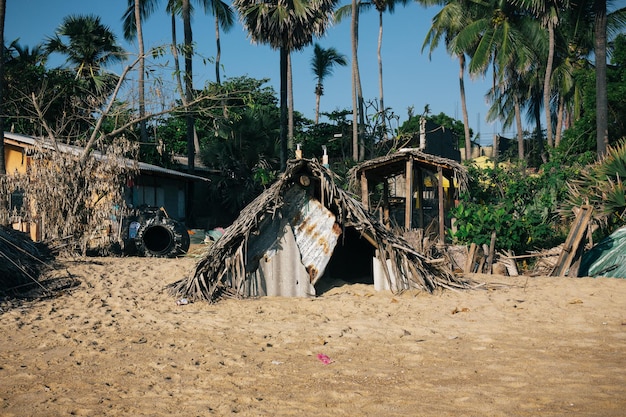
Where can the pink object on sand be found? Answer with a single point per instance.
(324, 358)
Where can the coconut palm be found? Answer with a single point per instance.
(225, 19)
(446, 24)
(3, 5)
(88, 44)
(286, 26)
(132, 21)
(322, 65)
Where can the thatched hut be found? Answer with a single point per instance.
(300, 234)
(22, 261)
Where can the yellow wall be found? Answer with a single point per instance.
(15, 158)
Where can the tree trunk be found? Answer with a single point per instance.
(3, 169)
(289, 103)
(466, 129)
(355, 104)
(559, 121)
(191, 157)
(141, 76)
(602, 128)
(218, 54)
(518, 124)
(283, 108)
(546, 83)
(318, 97)
(380, 74)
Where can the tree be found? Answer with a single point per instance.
(224, 18)
(132, 22)
(2, 15)
(88, 45)
(381, 7)
(452, 18)
(322, 65)
(286, 26)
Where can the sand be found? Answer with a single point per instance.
(119, 345)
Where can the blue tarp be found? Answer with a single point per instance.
(607, 258)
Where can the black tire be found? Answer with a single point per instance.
(162, 238)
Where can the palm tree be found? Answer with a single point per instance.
(3, 5)
(450, 20)
(322, 65)
(224, 18)
(90, 46)
(358, 118)
(132, 22)
(286, 26)
(381, 7)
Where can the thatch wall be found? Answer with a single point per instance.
(222, 270)
(21, 261)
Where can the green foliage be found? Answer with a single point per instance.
(412, 125)
(522, 209)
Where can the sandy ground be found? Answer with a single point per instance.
(118, 344)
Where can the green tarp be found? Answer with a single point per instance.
(607, 258)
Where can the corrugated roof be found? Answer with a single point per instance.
(143, 166)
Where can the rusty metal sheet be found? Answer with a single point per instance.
(315, 230)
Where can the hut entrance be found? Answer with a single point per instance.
(350, 263)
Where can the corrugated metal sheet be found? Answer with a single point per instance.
(607, 258)
(293, 249)
(315, 230)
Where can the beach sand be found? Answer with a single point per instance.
(119, 345)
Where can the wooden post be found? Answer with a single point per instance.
(442, 214)
(420, 197)
(386, 203)
(364, 192)
(408, 209)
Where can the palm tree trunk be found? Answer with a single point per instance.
(283, 108)
(602, 127)
(559, 121)
(466, 130)
(142, 66)
(380, 73)
(518, 124)
(355, 105)
(317, 105)
(546, 83)
(3, 168)
(189, 84)
(289, 103)
(218, 54)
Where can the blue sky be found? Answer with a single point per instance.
(410, 77)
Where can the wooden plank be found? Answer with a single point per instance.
(365, 200)
(469, 263)
(442, 214)
(408, 201)
(572, 243)
(490, 256)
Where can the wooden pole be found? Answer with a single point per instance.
(364, 192)
(442, 214)
(408, 210)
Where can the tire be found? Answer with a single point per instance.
(162, 238)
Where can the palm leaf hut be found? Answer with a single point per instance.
(301, 234)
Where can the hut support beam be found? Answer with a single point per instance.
(442, 216)
(364, 192)
(408, 209)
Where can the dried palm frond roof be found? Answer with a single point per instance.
(222, 269)
(394, 163)
(21, 260)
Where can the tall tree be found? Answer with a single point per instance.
(225, 19)
(133, 28)
(381, 7)
(446, 24)
(3, 5)
(188, 53)
(602, 108)
(88, 45)
(322, 64)
(286, 26)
